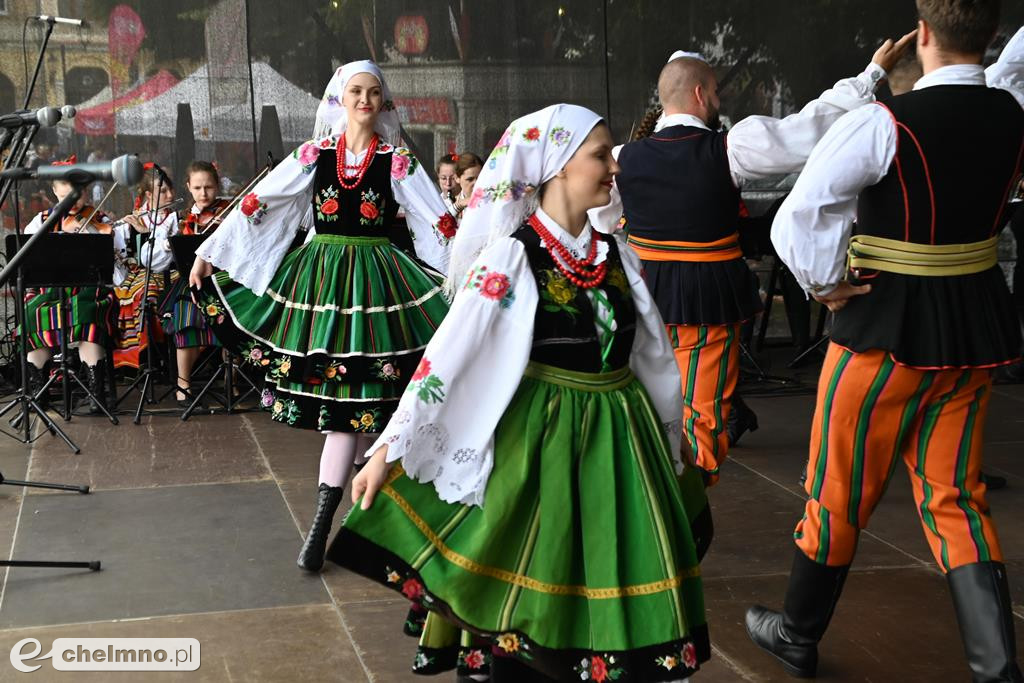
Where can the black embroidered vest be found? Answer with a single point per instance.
(565, 332)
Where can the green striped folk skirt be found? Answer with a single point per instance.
(183, 320)
(89, 316)
(580, 562)
(339, 330)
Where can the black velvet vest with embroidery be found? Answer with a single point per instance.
(368, 210)
(564, 330)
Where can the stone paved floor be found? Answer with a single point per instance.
(198, 524)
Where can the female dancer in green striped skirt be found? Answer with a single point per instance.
(339, 324)
(543, 498)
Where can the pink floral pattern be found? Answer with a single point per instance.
(307, 154)
(403, 164)
(491, 285)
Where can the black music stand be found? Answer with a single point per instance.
(67, 260)
(184, 249)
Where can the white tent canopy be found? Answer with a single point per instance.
(296, 109)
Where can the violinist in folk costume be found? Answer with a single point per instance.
(155, 217)
(183, 320)
(88, 321)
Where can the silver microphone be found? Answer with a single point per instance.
(68, 112)
(58, 20)
(124, 170)
(47, 117)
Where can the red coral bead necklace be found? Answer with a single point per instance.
(351, 182)
(580, 272)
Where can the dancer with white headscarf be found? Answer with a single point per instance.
(339, 325)
(538, 503)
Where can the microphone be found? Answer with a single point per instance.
(68, 112)
(124, 170)
(46, 117)
(58, 20)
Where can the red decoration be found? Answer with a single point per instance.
(329, 208)
(447, 226)
(250, 203)
(580, 274)
(422, 370)
(369, 210)
(351, 182)
(411, 34)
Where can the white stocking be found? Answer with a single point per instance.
(39, 357)
(337, 457)
(91, 353)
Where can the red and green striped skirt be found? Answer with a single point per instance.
(132, 339)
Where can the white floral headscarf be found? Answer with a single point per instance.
(532, 150)
(331, 118)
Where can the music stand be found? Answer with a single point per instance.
(183, 247)
(67, 260)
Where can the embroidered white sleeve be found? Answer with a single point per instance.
(443, 428)
(425, 213)
(762, 146)
(255, 236)
(652, 360)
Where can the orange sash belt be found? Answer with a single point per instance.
(725, 249)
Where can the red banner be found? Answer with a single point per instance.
(436, 110)
(125, 34)
(100, 120)
(411, 34)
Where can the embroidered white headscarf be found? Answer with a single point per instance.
(532, 150)
(331, 117)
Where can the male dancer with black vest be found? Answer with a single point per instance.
(681, 203)
(925, 313)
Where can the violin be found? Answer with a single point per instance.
(206, 220)
(86, 220)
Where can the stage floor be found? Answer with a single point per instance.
(198, 525)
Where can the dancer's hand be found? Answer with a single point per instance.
(841, 295)
(200, 269)
(890, 53)
(371, 478)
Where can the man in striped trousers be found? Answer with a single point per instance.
(681, 202)
(925, 313)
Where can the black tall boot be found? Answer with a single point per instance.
(37, 378)
(741, 420)
(981, 597)
(311, 557)
(793, 635)
(93, 380)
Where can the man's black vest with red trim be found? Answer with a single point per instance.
(959, 154)
(676, 187)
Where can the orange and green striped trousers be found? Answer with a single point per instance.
(871, 413)
(708, 357)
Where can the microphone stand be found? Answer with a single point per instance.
(147, 393)
(50, 22)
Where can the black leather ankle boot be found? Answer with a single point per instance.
(311, 557)
(37, 378)
(92, 379)
(981, 597)
(792, 636)
(741, 420)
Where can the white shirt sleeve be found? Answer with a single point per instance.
(652, 360)
(812, 227)
(424, 210)
(762, 146)
(34, 225)
(443, 428)
(256, 234)
(1008, 71)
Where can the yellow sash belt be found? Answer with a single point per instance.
(929, 260)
